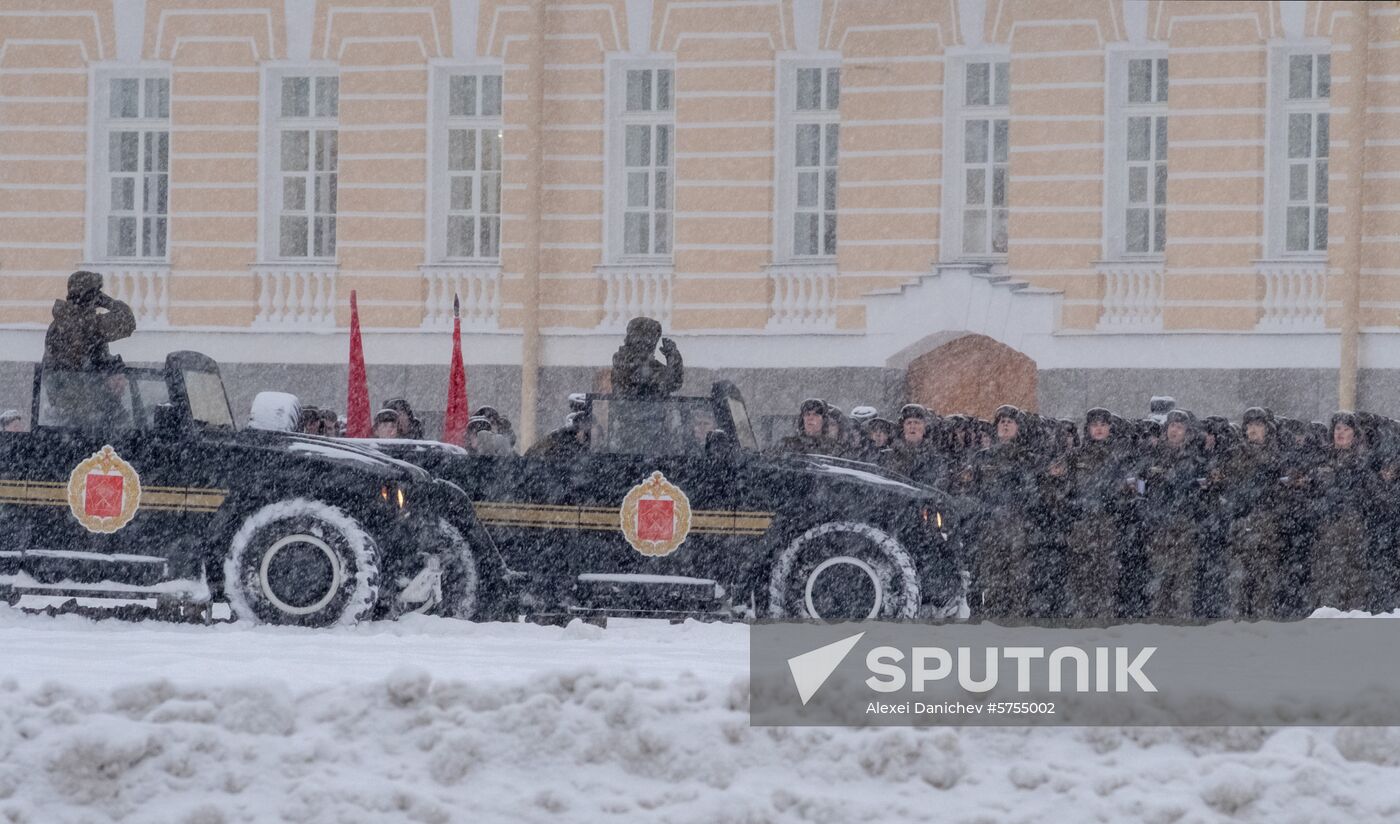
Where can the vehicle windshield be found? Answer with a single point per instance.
(101, 401)
(674, 426)
(208, 402)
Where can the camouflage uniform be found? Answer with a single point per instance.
(1172, 528)
(1099, 499)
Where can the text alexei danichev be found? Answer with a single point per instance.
(959, 708)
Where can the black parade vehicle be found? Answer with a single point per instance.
(136, 486)
(665, 507)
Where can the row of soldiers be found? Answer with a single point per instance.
(1174, 520)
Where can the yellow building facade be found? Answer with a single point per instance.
(1115, 197)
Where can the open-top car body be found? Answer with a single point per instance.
(135, 484)
(668, 508)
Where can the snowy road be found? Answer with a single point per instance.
(437, 721)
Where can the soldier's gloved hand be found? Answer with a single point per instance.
(668, 346)
(103, 300)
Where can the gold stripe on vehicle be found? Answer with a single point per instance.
(546, 516)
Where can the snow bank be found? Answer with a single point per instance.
(633, 724)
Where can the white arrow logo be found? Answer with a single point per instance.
(811, 669)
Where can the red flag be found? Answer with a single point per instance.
(454, 423)
(357, 404)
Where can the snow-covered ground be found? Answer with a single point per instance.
(429, 720)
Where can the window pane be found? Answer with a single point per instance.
(294, 194)
(326, 154)
(662, 199)
(296, 96)
(833, 143)
(809, 89)
(1137, 184)
(121, 236)
(296, 147)
(490, 95)
(1135, 237)
(153, 237)
(999, 231)
(123, 194)
(1000, 140)
(1320, 228)
(490, 150)
(1139, 81)
(461, 236)
(976, 188)
(157, 97)
(663, 90)
(639, 90)
(1162, 80)
(1299, 134)
(1159, 151)
(154, 194)
(1139, 138)
(978, 82)
(638, 145)
(833, 89)
(999, 186)
(490, 237)
(804, 233)
(829, 233)
(459, 198)
(637, 185)
(1002, 87)
(809, 137)
(829, 191)
(325, 236)
(1159, 229)
(662, 233)
(1297, 181)
(1300, 76)
(663, 145)
(1324, 141)
(974, 232)
(293, 236)
(461, 150)
(1297, 232)
(125, 93)
(461, 96)
(124, 151)
(975, 141)
(807, 185)
(1320, 189)
(635, 233)
(490, 191)
(327, 96)
(325, 194)
(1324, 75)
(162, 158)
(1160, 190)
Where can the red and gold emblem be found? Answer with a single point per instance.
(104, 492)
(656, 516)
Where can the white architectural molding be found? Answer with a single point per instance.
(129, 21)
(972, 21)
(477, 286)
(1132, 295)
(1295, 295)
(630, 291)
(300, 17)
(639, 26)
(806, 25)
(465, 14)
(804, 297)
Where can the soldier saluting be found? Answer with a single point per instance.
(78, 336)
(635, 373)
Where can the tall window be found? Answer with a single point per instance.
(133, 148)
(472, 171)
(1308, 123)
(305, 150)
(808, 148)
(980, 145)
(647, 124)
(1145, 150)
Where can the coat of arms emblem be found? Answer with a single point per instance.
(656, 516)
(104, 492)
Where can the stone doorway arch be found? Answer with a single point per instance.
(972, 375)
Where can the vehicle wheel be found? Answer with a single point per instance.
(302, 563)
(843, 571)
(448, 580)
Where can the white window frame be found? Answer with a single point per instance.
(955, 113)
(442, 121)
(788, 117)
(269, 160)
(100, 125)
(615, 159)
(1119, 109)
(1276, 179)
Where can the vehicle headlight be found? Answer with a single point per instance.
(393, 494)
